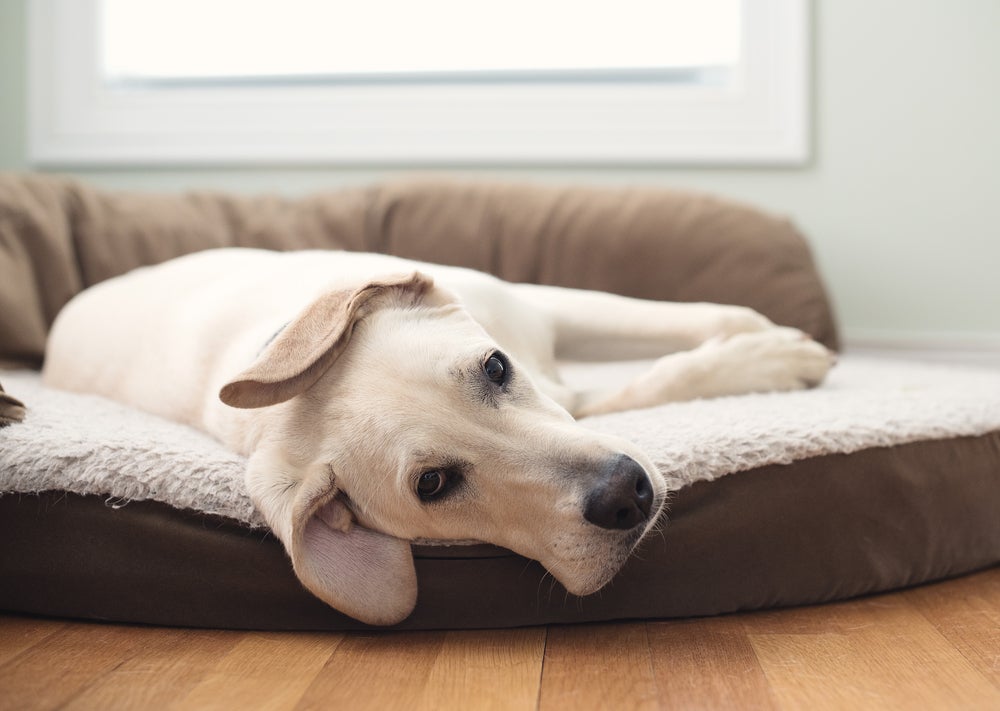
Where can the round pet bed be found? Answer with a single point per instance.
(888, 475)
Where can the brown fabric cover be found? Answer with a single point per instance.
(38, 270)
(820, 529)
(58, 236)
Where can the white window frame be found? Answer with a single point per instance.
(760, 119)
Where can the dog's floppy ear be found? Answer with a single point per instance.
(360, 572)
(305, 349)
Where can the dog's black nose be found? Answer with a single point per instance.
(622, 497)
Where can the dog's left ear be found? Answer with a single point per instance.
(363, 573)
(305, 349)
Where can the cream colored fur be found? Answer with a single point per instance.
(354, 373)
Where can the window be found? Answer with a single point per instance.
(430, 40)
(434, 82)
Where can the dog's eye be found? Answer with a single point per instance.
(495, 368)
(431, 483)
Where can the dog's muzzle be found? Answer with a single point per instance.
(622, 498)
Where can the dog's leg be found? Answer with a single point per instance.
(727, 350)
(771, 360)
(591, 325)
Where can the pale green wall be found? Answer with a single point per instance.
(13, 85)
(901, 200)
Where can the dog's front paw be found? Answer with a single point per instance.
(772, 359)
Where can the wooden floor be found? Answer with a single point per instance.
(935, 647)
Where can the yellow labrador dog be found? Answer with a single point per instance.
(381, 401)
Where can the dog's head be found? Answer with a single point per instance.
(396, 418)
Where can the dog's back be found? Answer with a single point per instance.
(125, 338)
(165, 338)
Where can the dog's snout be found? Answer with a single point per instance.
(622, 497)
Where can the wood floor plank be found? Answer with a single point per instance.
(966, 612)
(51, 673)
(165, 667)
(18, 634)
(375, 671)
(263, 671)
(605, 666)
(873, 653)
(707, 664)
(486, 669)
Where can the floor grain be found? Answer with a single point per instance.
(708, 663)
(600, 666)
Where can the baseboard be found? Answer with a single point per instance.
(972, 348)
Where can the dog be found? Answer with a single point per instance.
(381, 401)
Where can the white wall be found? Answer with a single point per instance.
(901, 201)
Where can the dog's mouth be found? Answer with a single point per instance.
(582, 585)
(600, 557)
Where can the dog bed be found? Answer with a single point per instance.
(888, 475)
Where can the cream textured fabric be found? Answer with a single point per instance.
(864, 403)
(88, 445)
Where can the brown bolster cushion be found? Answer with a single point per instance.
(58, 236)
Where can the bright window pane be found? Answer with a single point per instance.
(194, 40)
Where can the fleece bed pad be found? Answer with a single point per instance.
(887, 475)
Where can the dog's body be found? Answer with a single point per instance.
(379, 405)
